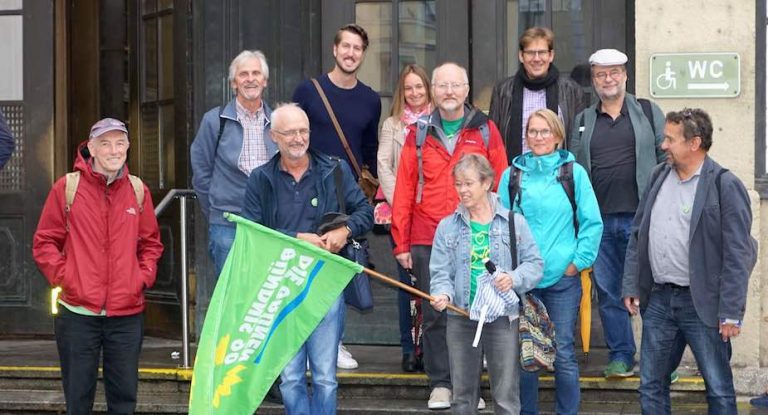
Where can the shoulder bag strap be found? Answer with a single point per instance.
(337, 179)
(336, 125)
(512, 239)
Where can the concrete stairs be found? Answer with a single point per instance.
(165, 391)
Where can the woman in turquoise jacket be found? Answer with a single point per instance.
(543, 201)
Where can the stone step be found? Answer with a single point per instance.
(52, 402)
(38, 390)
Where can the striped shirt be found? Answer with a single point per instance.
(532, 102)
(254, 152)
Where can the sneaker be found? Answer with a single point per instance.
(618, 370)
(760, 402)
(344, 359)
(674, 377)
(440, 398)
(481, 404)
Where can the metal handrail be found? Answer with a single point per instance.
(182, 194)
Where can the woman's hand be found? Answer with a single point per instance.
(503, 282)
(571, 271)
(440, 302)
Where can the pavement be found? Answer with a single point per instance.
(379, 370)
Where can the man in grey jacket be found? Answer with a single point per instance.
(688, 264)
(618, 141)
(232, 140)
(536, 85)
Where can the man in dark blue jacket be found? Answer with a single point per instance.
(355, 107)
(688, 263)
(292, 193)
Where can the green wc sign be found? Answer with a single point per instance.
(695, 75)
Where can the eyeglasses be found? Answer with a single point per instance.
(530, 54)
(613, 73)
(301, 132)
(539, 133)
(444, 86)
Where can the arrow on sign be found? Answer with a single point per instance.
(721, 86)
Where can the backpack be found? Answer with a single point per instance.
(73, 180)
(536, 329)
(564, 176)
(422, 125)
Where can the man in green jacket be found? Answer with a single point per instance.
(618, 141)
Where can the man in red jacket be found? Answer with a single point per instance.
(101, 247)
(453, 129)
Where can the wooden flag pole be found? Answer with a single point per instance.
(391, 281)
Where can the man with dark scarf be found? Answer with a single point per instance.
(536, 85)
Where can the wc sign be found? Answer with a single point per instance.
(695, 75)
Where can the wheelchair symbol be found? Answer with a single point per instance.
(667, 80)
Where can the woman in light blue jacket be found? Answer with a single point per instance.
(476, 232)
(543, 201)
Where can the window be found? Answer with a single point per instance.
(414, 37)
(12, 89)
(156, 93)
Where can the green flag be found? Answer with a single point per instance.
(271, 294)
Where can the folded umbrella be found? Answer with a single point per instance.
(489, 303)
(585, 309)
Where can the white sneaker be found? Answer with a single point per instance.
(440, 398)
(481, 404)
(344, 359)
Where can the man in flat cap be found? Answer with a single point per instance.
(618, 141)
(98, 240)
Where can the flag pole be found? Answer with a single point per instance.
(405, 287)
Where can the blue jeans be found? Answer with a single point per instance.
(499, 342)
(608, 272)
(220, 239)
(81, 340)
(321, 349)
(669, 323)
(562, 302)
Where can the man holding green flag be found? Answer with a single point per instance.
(277, 304)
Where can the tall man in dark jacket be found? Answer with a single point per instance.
(356, 108)
(688, 264)
(618, 142)
(536, 85)
(291, 194)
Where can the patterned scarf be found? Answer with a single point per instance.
(409, 117)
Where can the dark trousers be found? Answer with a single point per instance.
(436, 363)
(81, 340)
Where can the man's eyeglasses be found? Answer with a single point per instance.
(533, 133)
(530, 54)
(444, 86)
(615, 74)
(301, 132)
